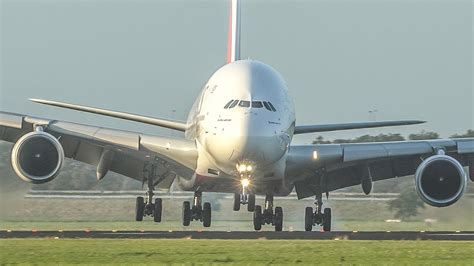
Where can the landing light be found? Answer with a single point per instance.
(315, 155)
(249, 168)
(245, 182)
(242, 168)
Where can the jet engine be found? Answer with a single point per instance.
(440, 180)
(37, 157)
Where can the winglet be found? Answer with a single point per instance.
(171, 124)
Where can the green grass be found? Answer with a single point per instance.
(107, 251)
(245, 225)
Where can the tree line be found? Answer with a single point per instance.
(392, 137)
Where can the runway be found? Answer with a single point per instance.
(337, 235)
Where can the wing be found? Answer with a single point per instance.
(327, 167)
(347, 126)
(132, 151)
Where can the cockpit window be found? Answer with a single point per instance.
(271, 106)
(267, 106)
(233, 104)
(254, 104)
(228, 104)
(257, 104)
(244, 103)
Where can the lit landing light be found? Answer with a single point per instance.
(315, 155)
(242, 168)
(245, 182)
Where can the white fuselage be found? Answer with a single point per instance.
(256, 128)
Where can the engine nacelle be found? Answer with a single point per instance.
(37, 157)
(440, 180)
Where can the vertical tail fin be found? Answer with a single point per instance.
(233, 41)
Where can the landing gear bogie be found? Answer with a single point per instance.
(198, 212)
(318, 217)
(268, 215)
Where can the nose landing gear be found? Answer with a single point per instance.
(244, 199)
(268, 216)
(198, 212)
(318, 217)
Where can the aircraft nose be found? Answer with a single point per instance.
(248, 141)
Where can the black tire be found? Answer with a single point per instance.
(206, 214)
(278, 219)
(236, 202)
(251, 203)
(327, 220)
(257, 218)
(308, 219)
(158, 210)
(186, 213)
(139, 209)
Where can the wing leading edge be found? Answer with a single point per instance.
(167, 123)
(347, 126)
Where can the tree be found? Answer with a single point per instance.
(469, 134)
(320, 140)
(407, 204)
(424, 135)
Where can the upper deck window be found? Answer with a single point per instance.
(244, 103)
(257, 104)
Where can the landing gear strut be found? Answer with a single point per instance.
(268, 216)
(244, 199)
(318, 217)
(148, 207)
(198, 212)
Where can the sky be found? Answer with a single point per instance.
(341, 59)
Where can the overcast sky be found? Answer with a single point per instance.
(341, 59)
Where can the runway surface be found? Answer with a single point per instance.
(338, 235)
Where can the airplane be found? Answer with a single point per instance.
(237, 139)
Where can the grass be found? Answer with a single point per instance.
(243, 225)
(123, 251)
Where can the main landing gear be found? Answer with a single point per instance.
(318, 217)
(268, 216)
(148, 207)
(197, 212)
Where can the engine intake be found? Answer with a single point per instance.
(440, 180)
(37, 157)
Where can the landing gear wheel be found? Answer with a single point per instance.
(251, 203)
(308, 219)
(236, 202)
(257, 218)
(158, 210)
(206, 214)
(139, 209)
(278, 219)
(327, 220)
(186, 213)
